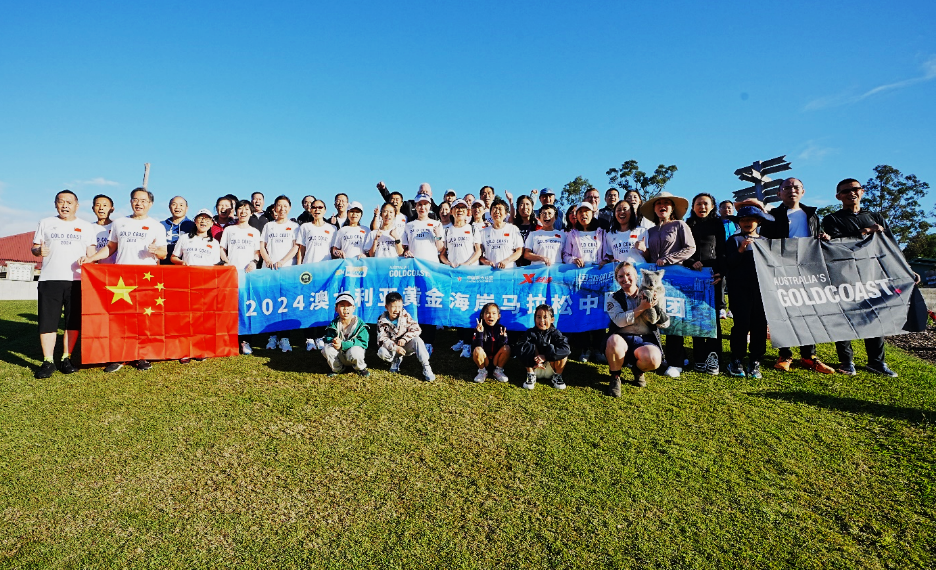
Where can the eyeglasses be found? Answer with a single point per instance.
(853, 190)
(139, 201)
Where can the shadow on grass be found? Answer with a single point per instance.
(19, 339)
(851, 405)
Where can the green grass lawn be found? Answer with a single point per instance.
(263, 461)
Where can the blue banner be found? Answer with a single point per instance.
(303, 295)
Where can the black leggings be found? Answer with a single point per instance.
(749, 317)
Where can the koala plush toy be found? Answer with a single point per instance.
(651, 289)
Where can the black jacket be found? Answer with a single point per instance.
(550, 344)
(709, 236)
(780, 227)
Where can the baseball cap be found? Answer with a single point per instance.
(450, 191)
(203, 212)
(478, 202)
(459, 203)
(422, 198)
(547, 192)
(588, 205)
(356, 206)
(345, 297)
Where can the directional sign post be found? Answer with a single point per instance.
(763, 186)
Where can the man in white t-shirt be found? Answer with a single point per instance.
(61, 240)
(137, 239)
(422, 237)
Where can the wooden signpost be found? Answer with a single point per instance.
(764, 188)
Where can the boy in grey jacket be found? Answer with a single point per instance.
(398, 336)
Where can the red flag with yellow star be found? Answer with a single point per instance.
(162, 312)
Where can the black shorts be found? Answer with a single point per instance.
(634, 341)
(54, 296)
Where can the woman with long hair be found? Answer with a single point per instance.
(583, 248)
(634, 198)
(708, 233)
(526, 222)
(620, 242)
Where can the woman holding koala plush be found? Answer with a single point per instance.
(632, 341)
(669, 242)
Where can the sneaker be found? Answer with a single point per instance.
(113, 367)
(847, 369)
(729, 315)
(672, 372)
(614, 387)
(711, 364)
(271, 344)
(735, 368)
(586, 354)
(427, 374)
(600, 357)
(699, 367)
(66, 366)
(395, 365)
(185, 360)
(753, 370)
(284, 345)
(429, 349)
(142, 364)
(466, 351)
(245, 348)
(557, 382)
(816, 365)
(722, 314)
(333, 374)
(481, 376)
(530, 381)
(363, 373)
(882, 369)
(783, 364)
(499, 374)
(458, 346)
(639, 379)
(310, 344)
(46, 370)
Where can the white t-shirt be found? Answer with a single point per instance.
(241, 245)
(421, 240)
(620, 245)
(548, 243)
(499, 244)
(386, 244)
(350, 240)
(317, 241)
(67, 241)
(102, 234)
(198, 251)
(399, 224)
(133, 237)
(798, 226)
(279, 239)
(584, 245)
(460, 243)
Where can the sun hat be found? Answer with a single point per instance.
(751, 212)
(344, 297)
(680, 205)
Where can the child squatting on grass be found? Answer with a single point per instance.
(543, 350)
(346, 339)
(489, 346)
(398, 336)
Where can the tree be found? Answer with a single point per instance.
(826, 210)
(572, 193)
(896, 197)
(921, 245)
(630, 177)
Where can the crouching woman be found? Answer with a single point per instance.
(632, 341)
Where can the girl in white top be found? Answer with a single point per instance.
(620, 242)
(501, 241)
(316, 238)
(544, 247)
(240, 244)
(445, 214)
(423, 236)
(103, 207)
(197, 248)
(462, 243)
(349, 243)
(583, 243)
(385, 240)
(279, 237)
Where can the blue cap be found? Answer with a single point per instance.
(751, 211)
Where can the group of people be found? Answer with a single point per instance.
(469, 231)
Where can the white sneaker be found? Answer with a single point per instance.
(284, 345)
(320, 343)
(482, 375)
(586, 354)
(245, 347)
(427, 374)
(271, 344)
(466, 351)
(310, 344)
(672, 372)
(499, 374)
(458, 346)
(558, 383)
(722, 314)
(530, 382)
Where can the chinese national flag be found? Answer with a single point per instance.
(161, 312)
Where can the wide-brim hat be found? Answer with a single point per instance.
(751, 211)
(680, 205)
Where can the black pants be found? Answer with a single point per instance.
(873, 346)
(675, 351)
(749, 317)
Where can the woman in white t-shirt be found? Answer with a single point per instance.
(500, 241)
(349, 243)
(462, 248)
(385, 240)
(583, 248)
(316, 237)
(620, 242)
(544, 246)
(279, 237)
(240, 243)
(198, 248)
(422, 237)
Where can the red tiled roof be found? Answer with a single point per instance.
(18, 248)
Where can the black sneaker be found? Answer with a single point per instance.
(639, 379)
(753, 370)
(557, 382)
(614, 387)
(113, 367)
(46, 370)
(735, 368)
(142, 365)
(881, 369)
(66, 366)
(362, 373)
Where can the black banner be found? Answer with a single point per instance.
(818, 291)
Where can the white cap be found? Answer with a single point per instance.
(476, 202)
(205, 212)
(588, 205)
(345, 297)
(356, 206)
(458, 203)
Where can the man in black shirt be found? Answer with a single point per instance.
(258, 218)
(851, 221)
(306, 215)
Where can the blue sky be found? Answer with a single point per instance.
(319, 98)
